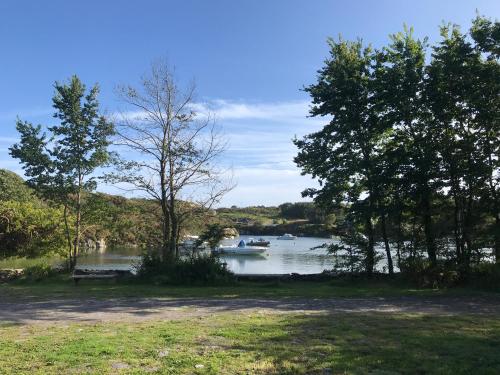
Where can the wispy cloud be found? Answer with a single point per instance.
(275, 111)
(260, 148)
(8, 140)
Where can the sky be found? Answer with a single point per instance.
(250, 60)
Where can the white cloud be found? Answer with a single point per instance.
(266, 186)
(260, 148)
(224, 110)
(276, 111)
(9, 140)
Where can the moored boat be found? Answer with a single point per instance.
(287, 236)
(241, 249)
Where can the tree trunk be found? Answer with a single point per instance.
(428, 229)
(370, 256)
(400, 237)
(497, 238)
(71, 264)
(387, 247)
(76, 242)
(165, 215)
(173, 230)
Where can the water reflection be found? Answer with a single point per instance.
(284, 256)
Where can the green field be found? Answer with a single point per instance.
(253, 341)
(259, 344)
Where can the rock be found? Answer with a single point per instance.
(199, 366)
(119, 365)
(162, 353)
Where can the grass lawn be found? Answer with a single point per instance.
(257, 344)
(62, 287)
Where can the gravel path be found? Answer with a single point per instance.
(140, 309)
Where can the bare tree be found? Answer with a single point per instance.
(171, 151)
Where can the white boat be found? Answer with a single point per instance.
(287, 236)
(190, 243)
(241, 249)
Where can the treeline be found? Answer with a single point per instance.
(309, 211)
(411, 148)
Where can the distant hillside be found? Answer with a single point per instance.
(301, 218)
(13, 187)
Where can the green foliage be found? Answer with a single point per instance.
(412, 149)
(38, 272)
(16, 262)
(304, 211)
(198, 270)
(486, 276)
(13, 187)
(248, 215)
(342, 154)
(60, 167)
(424, 274)
(30, 229)
(122, 221)
(213, 234)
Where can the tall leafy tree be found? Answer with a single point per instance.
(411, 154)
(486, 35)
(61, 165)
(454, 95)
(341, 156)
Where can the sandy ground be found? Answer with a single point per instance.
(140, 309)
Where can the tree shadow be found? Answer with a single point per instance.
(376, 343)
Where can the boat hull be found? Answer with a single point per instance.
(247, 250)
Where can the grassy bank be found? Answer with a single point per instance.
(61, 286)
(21, 262)
(258, 344)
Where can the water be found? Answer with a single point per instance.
(283, 256)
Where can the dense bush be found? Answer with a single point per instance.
(30, 229)
(421, 272)
(38, 272)
(13, 188)
(200, 269)
(486, 275)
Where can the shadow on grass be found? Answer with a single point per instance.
(140, 308)
(372, 343)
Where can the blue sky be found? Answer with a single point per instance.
(249, 58)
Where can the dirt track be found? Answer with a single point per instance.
(131, 310)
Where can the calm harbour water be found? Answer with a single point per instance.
(283, 256)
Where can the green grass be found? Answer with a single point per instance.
(259, 344)
(61, 286)
(21, 262)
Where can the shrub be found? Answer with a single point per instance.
(422, 273)
(486, 275)
(38, 272)
(200, 269)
